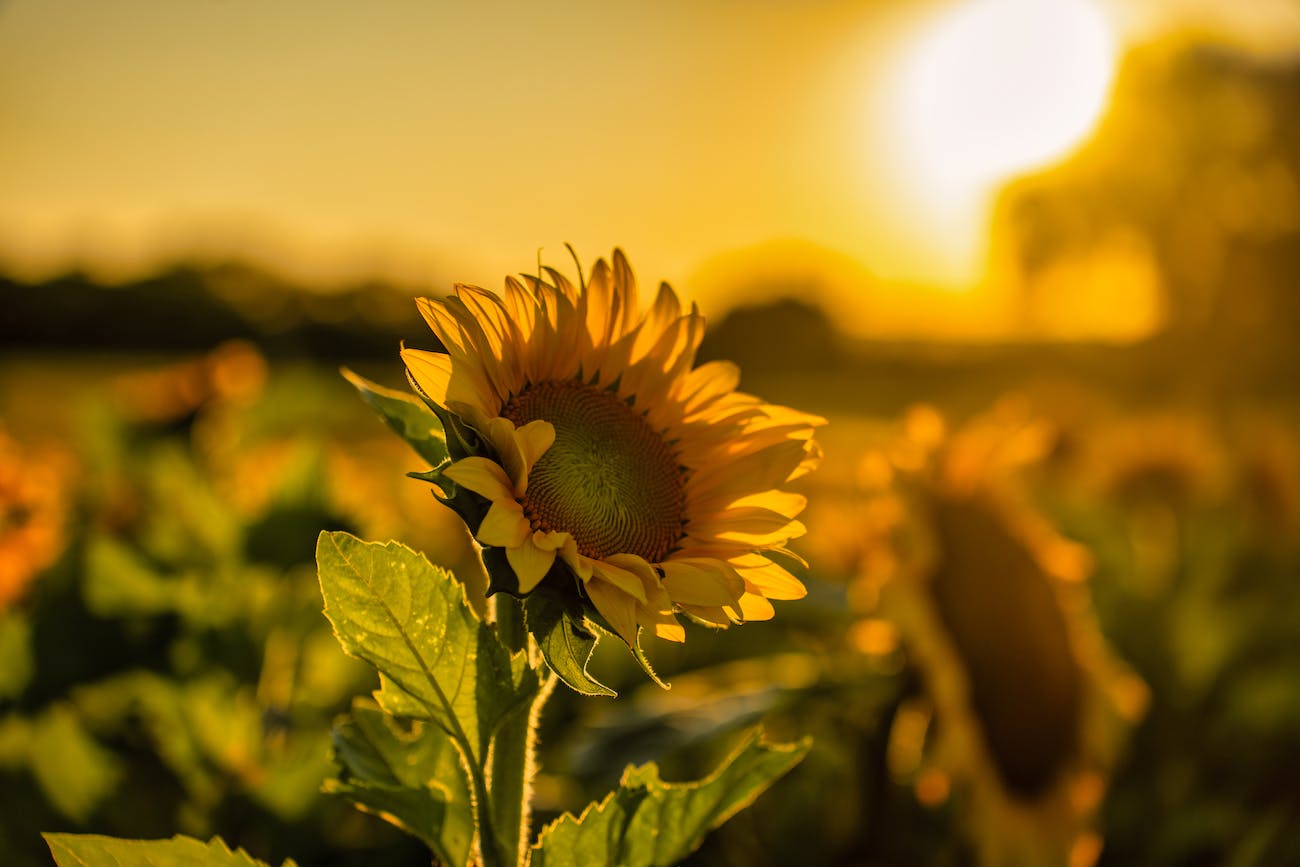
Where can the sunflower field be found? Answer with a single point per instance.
(971, 543)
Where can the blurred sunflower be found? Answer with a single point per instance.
(32, 515)
(1172, 459)
(597, 444)
(1024, 705)
(233, 373)
(1268, 479)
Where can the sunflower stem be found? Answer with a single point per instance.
(511, 762)
(508, 614)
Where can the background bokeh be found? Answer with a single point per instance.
(1067, 286)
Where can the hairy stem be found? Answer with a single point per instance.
(511, 763)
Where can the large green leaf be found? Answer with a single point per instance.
(412, 778)
(92, 850)
(411, 621)
(406, 415)
(556, 621)
(646, 822)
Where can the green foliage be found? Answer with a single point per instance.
(411, 621)
(89, 850)
(16, 662)
(409, 418)
(411, 776)
(74, 771)
(649, 823)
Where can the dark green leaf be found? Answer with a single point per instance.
(406, 415)
(412, 778)
(649, 823)
(556, 621)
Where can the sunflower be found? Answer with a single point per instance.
(599, 454)
(1026, 707)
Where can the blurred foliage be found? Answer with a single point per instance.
(171, 672)
(164, 665)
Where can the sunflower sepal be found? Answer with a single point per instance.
(410, 418)
(559, 624)
(462, 439)
(501, 575)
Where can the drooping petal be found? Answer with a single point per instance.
(530, 563)
(628, 582)
(618, 608)
(504, 525)
(701, 582)
(665, 625)
(755, 607)
(771, 580)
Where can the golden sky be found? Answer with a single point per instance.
(432, 141)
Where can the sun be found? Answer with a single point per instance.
(999, 87)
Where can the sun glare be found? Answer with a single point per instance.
(999, 87)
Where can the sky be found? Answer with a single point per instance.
(429, 141)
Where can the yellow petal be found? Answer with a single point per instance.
(616, 607)
(773, 581)
(656, 597)
(712, 615)
(534, 439)
(628, 582)
(781, 502)
(521, 307)
(441, 323)
(671, 631)
(664, 625)
(754, 607)
(551, 541)
(431, 372)
(665, 311)
(481, 476)
(701, 582)
(519, 448)
(749, 525)
(626, 293)
(706, 383)
(530, 564)
(504, 525)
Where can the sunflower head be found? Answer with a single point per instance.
(1027, 706)
(593, 458)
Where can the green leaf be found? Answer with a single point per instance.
(649, 823)
(73, 770)
(119, 582)
(412, 778)
(407, 415)
(556, 621)
(15, 654)
(92, 850)
(412, 622)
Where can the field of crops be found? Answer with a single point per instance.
(1107, 635)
